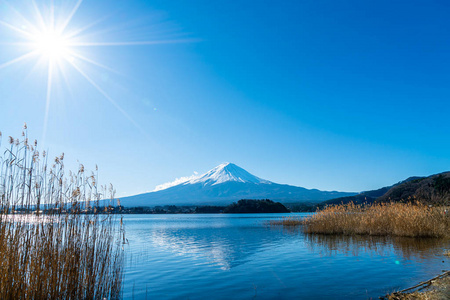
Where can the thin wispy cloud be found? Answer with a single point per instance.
(175, 182)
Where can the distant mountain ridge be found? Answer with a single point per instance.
(225, 184)
(434, 189)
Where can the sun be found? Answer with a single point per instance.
(47, 36)
(52, 45)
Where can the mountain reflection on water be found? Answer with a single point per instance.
(242, 257)
(219, 241)
(227, 248)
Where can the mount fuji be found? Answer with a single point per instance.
(223, 185)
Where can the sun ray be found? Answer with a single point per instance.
(78, 31)
(52, 14)
(65, 79)
(39, 15)
(35, 68)
(100, 44)
(48, 98)
(75, 54)
(18, 59)
(27, 44)
(16, 29)
(70, 16)
(29, 25)
(111, 100)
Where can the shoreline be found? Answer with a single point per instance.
(436, 288)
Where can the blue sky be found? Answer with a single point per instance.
(335, 95)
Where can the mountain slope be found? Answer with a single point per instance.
(225, 184)
(368, 196)
(434, 189)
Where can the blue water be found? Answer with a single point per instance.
(222, 256)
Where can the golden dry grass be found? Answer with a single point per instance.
(288, 221)
(383, 219)
(48, 248)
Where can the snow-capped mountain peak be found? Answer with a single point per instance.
(227, 172)
(222, 185)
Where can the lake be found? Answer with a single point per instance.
(238, 256)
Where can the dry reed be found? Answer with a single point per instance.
(382, 219)
(50, 249)
(288, 221)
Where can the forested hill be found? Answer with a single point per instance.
(433, 190)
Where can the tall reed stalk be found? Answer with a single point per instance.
(49, 248)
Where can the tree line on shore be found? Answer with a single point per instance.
(242, 206)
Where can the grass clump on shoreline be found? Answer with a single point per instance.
(436, 288)
(49, 248)
(382, 219)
